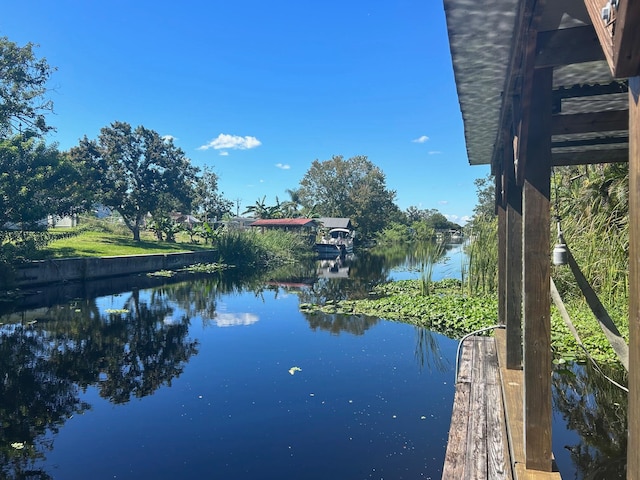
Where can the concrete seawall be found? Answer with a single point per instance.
(44, 272)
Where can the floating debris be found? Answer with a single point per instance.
(116, 310)
(293, 370)
(162, 273)
(18, 445)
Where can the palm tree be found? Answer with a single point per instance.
(262, 210)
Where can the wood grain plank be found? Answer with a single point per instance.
(536, 275)
(476, 464)
(633, 460)
(497, 465)
(513, 275)
(456, 445)
(464, 364)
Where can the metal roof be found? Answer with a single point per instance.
(335, 222)
(284, 222)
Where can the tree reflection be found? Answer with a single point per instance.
(597, 411)
(37, 397)
(129, 351)
(336, 323)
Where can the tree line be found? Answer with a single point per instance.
(145, 177)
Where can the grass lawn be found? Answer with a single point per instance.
(101, 244)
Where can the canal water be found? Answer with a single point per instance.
(201, 376)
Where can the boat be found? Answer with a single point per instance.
(337, 242)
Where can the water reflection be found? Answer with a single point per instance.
(126, 351)
(125, 342)
(596, 411)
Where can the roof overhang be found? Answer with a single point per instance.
(497, 44)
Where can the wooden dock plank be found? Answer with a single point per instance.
(498, 464)
(476, 464)
(464, 365)
(456, 445)
(476, 446)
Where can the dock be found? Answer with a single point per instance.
(486, 434)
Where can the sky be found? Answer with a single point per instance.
(258, 90)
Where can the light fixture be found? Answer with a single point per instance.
(560, 251)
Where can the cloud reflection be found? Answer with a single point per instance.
(235, 319)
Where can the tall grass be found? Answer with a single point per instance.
(482, 275)
(593, 206)
(247, 249)
(428, 254)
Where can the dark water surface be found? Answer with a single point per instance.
(219, 378)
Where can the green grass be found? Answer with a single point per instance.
(102, 244)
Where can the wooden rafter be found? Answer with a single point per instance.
(590, 142)
(603, 30)
(590, 157)
(626, 40)
(607, 121)
(618, 34)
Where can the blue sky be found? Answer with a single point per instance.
(258, 90)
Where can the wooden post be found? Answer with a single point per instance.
(502, 257)
(536, 275)
(513, 267)
(633, 446)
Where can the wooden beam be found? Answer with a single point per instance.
(527, 43)
(604, 31)
(502, 256)
(591, 157)
(606, 121)
(626, 40)
(633, 446)
(590, 142)
(536, 276)
(513, 270)
(568, 46)
(579, 91)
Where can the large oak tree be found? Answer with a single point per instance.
(353, 188)
(136, 172)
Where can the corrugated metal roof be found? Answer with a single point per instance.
(284, 222)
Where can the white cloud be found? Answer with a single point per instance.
(443, 202)
(169, 138)
(435, 152)
(283, 166)
(457, 219)
(421, 139)
(224, 153)
(232, 142)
